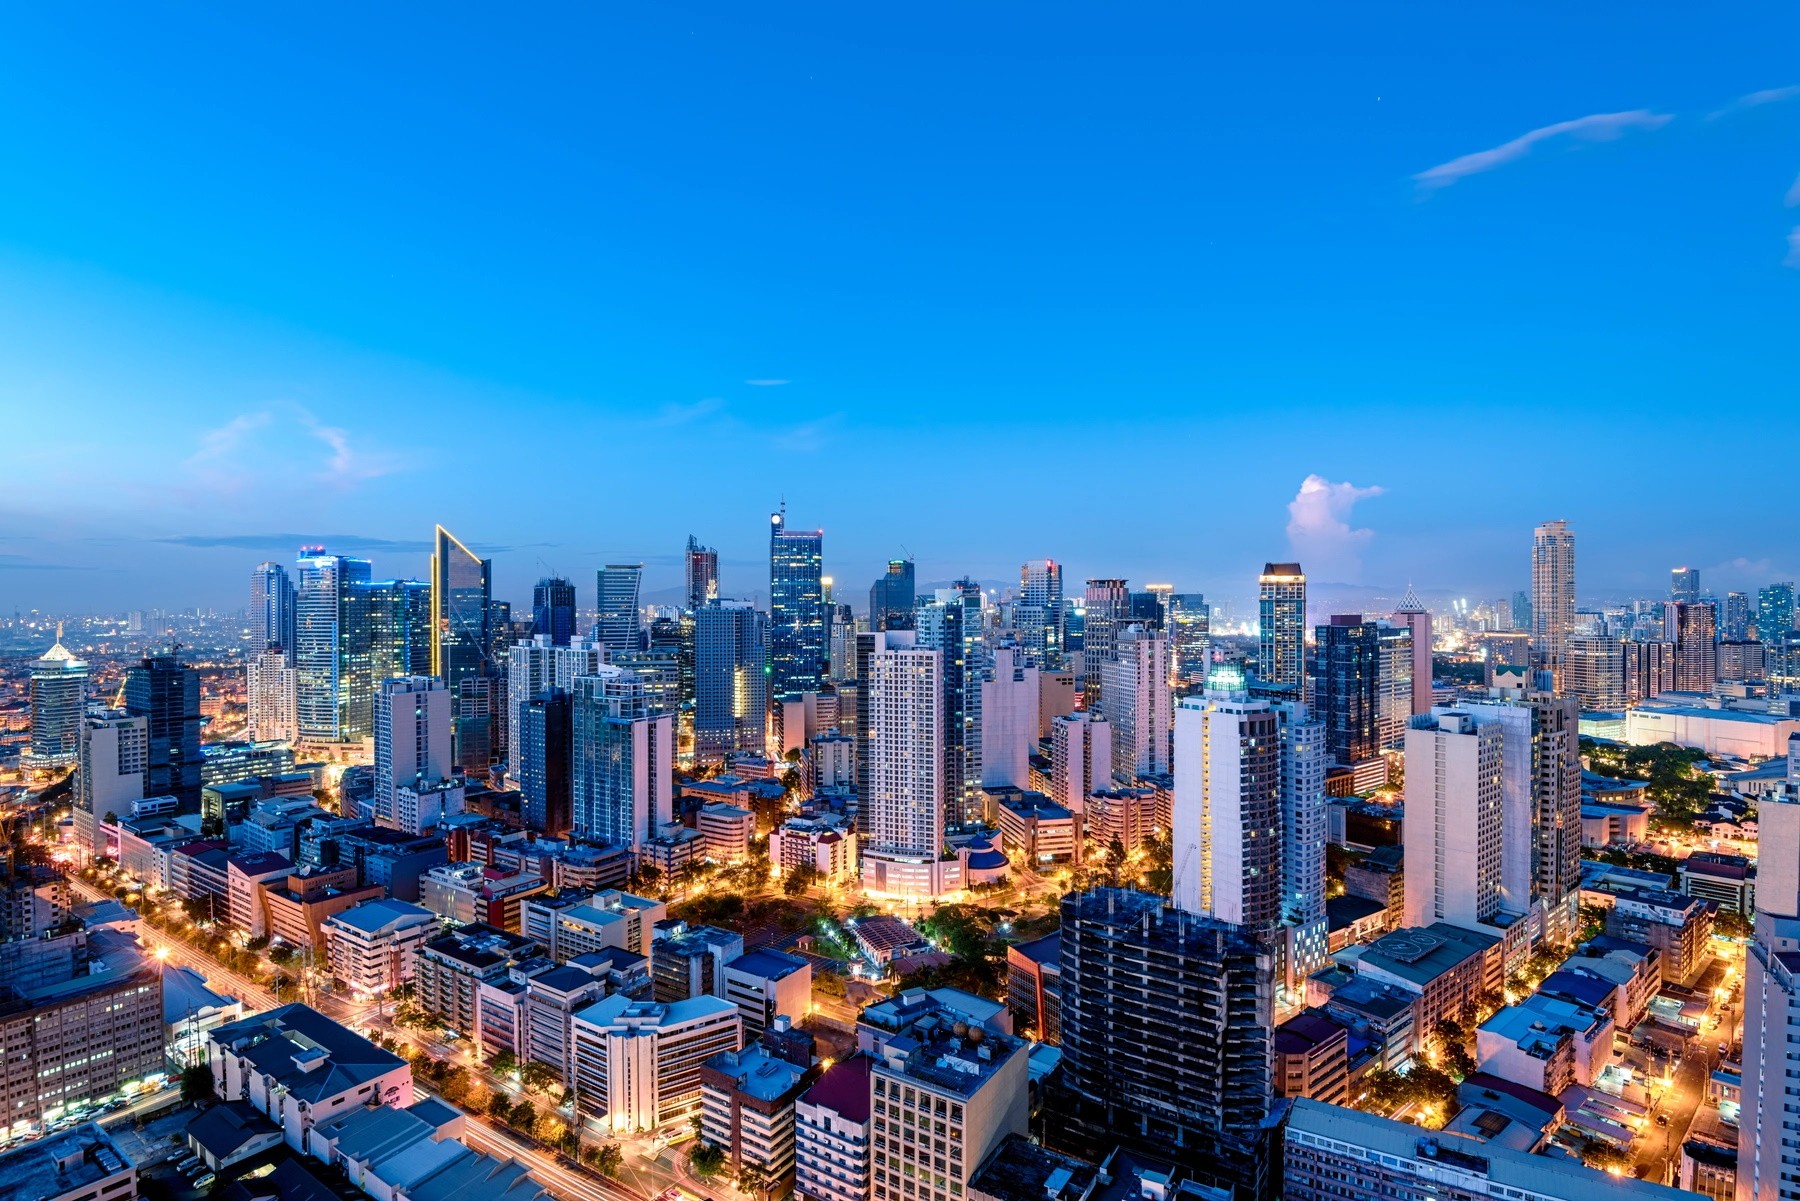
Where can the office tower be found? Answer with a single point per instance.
(1135, 698)
(324, 580)
(1734, 618)
(1227, 806)
(412, 740)
(1691, 627)
(384, 630)
(1038, 613)
(1771, 1087)
(1349, 688)
(1417, 619)
(1746, 661)
(553, 610)
(1649, 670)
(1521, 611)
(115, 763)
(1009, 719)
(731, 681)
(270, 695)
(1166, 1037)
(1394, 688)
(478, 725)
(1594, 672)
(58, 700)
(1081, 761)
(701, 573)
(619, 627)
(1190, 637)
(797, 648)
(1304, 944)
(461, 608)
(1774, 611)
(1453, 820)
(903, 746)
(893, 597)
(1552, 595)
(624, 757)
(951, 623)
(1105, 607)
(1147, 608)
(537, 665)
(659, 667)
(272, 610)
(1684, 585)
(545, 749)
(167, 696)
(1281, 625)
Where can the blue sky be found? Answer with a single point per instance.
(981, 283)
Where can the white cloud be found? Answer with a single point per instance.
(242, 450)
(680, 414)
(1597, 127)
(1793, 254)
(767, 383)
(1319, 528)
(1793, 195)
(1758, 99)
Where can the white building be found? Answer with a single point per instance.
(1771, 1089)
(1227, 806)
(1715, 731)
(371, 945)
(904, 747)
(765, 985)
(831, 1134)
(726, 831)
(1395, 669)
(623, 775)
(637, 1063)
(412, 740)
(1304, 758)
(568, 926)
(1080, 758)
(115, 754)
(1136, 699)
(1009, 720)
(826, 843)
(271, 696)
(747, 1110)
(1453, 820)
(1413, 615)
(533, 667)
(422, 808)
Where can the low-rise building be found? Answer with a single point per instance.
(82, 1163)
(371, 945)
(825, 842)
(571, 925)
(449, 969)
(1021, 1170)
(831, 1134)
(1312, 1058)
(725, 830)
(298, 906)
(1127, 816)
(1633, 969)
(881, 938)
(469, 892)
(547, 1010)
(1039, 830)
(747, 1110)
(768, 984)
(1729, 881)
(1449, 969)
(231, 1132)
(1034, 986)
(1679, 928)
(689, 961)
(298, 1068)
(245, 877)
(1545, 1043)
(1609, 824)
(637, 1063)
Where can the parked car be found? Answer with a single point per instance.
(205, 1181)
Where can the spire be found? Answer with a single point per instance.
(1410, 603)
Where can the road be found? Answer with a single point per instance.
(1658, 1153)
(563, 1182)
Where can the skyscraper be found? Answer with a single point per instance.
(1691, 626)
(1190, 637)
(271, 612)
(1009, 719)
(797, 648)
(1394, 690)
(1106, 607)
(384, 630)
(167, 696)
(1037, 616)
(619, 627)
(951, 623)
(1774, 612)
(1552, 595)
(1453, 820)
(546, 760)
(1227, 808)
(270, 696)
(1417, 619)
(1136, 699)
(58, 700)
(904, 748)
(1304, 945)
(624, 756)
(321, 696)
(702, 573)
(461, 604)
(1684, 585)
(893, 597)
(1771, 1090)
(538, 665)
(1281, 625)
(553, 609)
(1734, 618)
(1349, 688)
(412, 741)
(731, 682)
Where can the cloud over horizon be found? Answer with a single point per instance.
(1319, 529)
(1596, 127)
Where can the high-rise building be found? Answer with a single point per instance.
(1038, 613)
(58, 700)
(1552, 595)
(272, 610)
(1190, 637)
(702, 573)
(1774, 611)
(537, 665)
(1227, 806)
(1349, 688)
(1394, 689)
(115, 760)
(1734, 618)
(461, 609)
(1106, 607)
(545, 750)
(903, 746)
(731, 680)
(384, 630)
(893, 597)
(271, 693)
(167, 696)
(951, 623)
(321, 696)
(1166, 1038)
(1281, 625)
(1766, 1170)
(1692, 627)
(624, 759)
(1136, 699)
(1684, 585)
(412, 740)
(553, 611)
(1413, 614)
(1081, 760)
(619, 627)
(1009, 719)
(1304, 945)
(1453, 825)
(1649, 670)
(798, 654)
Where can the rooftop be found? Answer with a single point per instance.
(1420, 955)
(225, 1128)
(1046, 950)
(305, 1051)
(843, 1089)
(76, 1158)
(768, 964)
(756, 1073)
(1021, 1170)
(186, 993)
(372, 916)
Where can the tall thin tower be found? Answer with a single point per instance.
(1281, 625)
(1552, 595)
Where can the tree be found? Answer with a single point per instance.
(799, 879)
(502, 1063)
(197, 1083)
(605, 1159)
(1115, 860)
(281, 955)
(455, 1085)
(538, 1076)
(258, 943)
(498, 1107)
(753, 1178)
(706, 1160)
(523, 1117)
(1605, 1157)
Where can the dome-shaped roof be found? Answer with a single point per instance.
(985, 859)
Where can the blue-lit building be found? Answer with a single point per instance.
(1349, 688)
(731, 680)
(545, 734)
(384, 631)
(619, 626)
(461, 604)
(798, 654)
(553, 609)
(951, 623)
(622, 777)
(321, 702)
(893, 597)
(271, 612)
(167, 696)
(1774, 612)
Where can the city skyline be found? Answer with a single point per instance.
(645, 255)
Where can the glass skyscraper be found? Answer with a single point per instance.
(702, 573)
(622, 756)
(553, 610)
(167, 696)
(320, 701)
(384, 632)
(731, 685)
(461, 600)
(619, 627)
(58, 701)
(951, 623)
(798, 654)
(271, 611)
(1281, 625)
(545, 734)
(893, 597)
(1774, 612)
